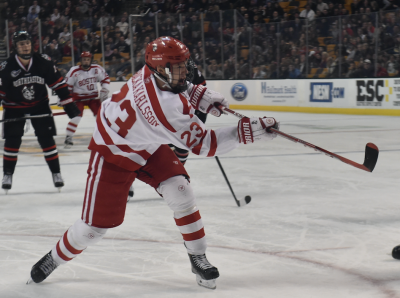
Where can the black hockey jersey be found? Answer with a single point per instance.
(25, 87)
(198, 78)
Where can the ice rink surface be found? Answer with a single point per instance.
(316, 227)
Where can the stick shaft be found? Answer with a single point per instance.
(32, 117)
(227, 181)
(306, 144)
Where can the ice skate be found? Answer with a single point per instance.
(58, 181)
(130, 193)
(206, 274)
(68, 142)
(7, 182)
(42, 269)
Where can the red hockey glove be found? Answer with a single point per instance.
(254, 129)
(204, 99)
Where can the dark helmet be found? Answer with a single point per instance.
(19, 36)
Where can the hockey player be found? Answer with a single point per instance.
(23, 77)
(182, 154)
(82, 82)
(154, 108)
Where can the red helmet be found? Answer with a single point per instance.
(165, 50)
(86, 54)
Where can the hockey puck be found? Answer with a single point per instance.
(247, 199)
(396, 252)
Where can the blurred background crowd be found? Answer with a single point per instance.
(242, 39)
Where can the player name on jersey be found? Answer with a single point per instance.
(142, 102)
(28, 80)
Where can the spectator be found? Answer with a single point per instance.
(115, 55)
(258, 73)
(381, 71)
(121, 45)
(83, 6)
(123, 26)
(56, 15)
(321, 6)
(294, 73)
(53, 53)
(308, 13)
(66, 35)
(32, 15)
(35, 8)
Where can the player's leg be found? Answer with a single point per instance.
(103, 208)
(164, 172)
(73, 125)
(12, 134)
(94, 106)
(45, 129)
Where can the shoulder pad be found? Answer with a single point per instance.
(3, 65)
(45, 56)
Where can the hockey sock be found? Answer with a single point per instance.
(73, 125)
(75, 240)
(50, 153)
(191, 227)
(10, 156)
(182, 154)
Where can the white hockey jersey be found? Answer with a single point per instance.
(83, 83)
(137, 120)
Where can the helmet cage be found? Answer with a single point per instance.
(169, 81)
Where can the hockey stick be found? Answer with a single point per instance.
(241, 202)
(32, 117)
(371, 150)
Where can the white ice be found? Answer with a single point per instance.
(316, 227)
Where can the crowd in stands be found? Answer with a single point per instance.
(240, 39)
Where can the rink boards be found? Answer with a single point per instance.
(339, 96)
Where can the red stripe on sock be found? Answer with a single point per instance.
(10, 158)
(69, 246)
(71, 129)
(11, 149)
(188, 219)
(50, 148)
(60, 253)
(51, 158)
(194, 236)
(73, 124)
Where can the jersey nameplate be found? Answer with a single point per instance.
(29, 80)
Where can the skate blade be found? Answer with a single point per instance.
(59, 189)
(67, 146)
(209, 284)
(6, 191)
(29, 281)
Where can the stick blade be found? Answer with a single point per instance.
(371, 156)
(245, 201)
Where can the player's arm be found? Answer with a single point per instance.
(105, 84)
(70, 80)
(57, 83)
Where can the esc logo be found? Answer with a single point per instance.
(324, 92)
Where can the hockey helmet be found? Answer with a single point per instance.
(86, 54)
(20, 36)
(166, 51)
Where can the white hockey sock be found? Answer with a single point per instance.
(191, 227)
(75, 240)
(73, 125)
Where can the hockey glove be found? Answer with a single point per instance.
(204, 99)
(104, 94)
(254, 129)
(72, 110)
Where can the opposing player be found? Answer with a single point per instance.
(23, 92)
(82, 83)
(154, 108)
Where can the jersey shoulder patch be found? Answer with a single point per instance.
(45, 56)
(3, 65)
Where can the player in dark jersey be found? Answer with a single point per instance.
(23, 79)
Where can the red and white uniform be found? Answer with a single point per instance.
(136, 121)
(83, 83)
